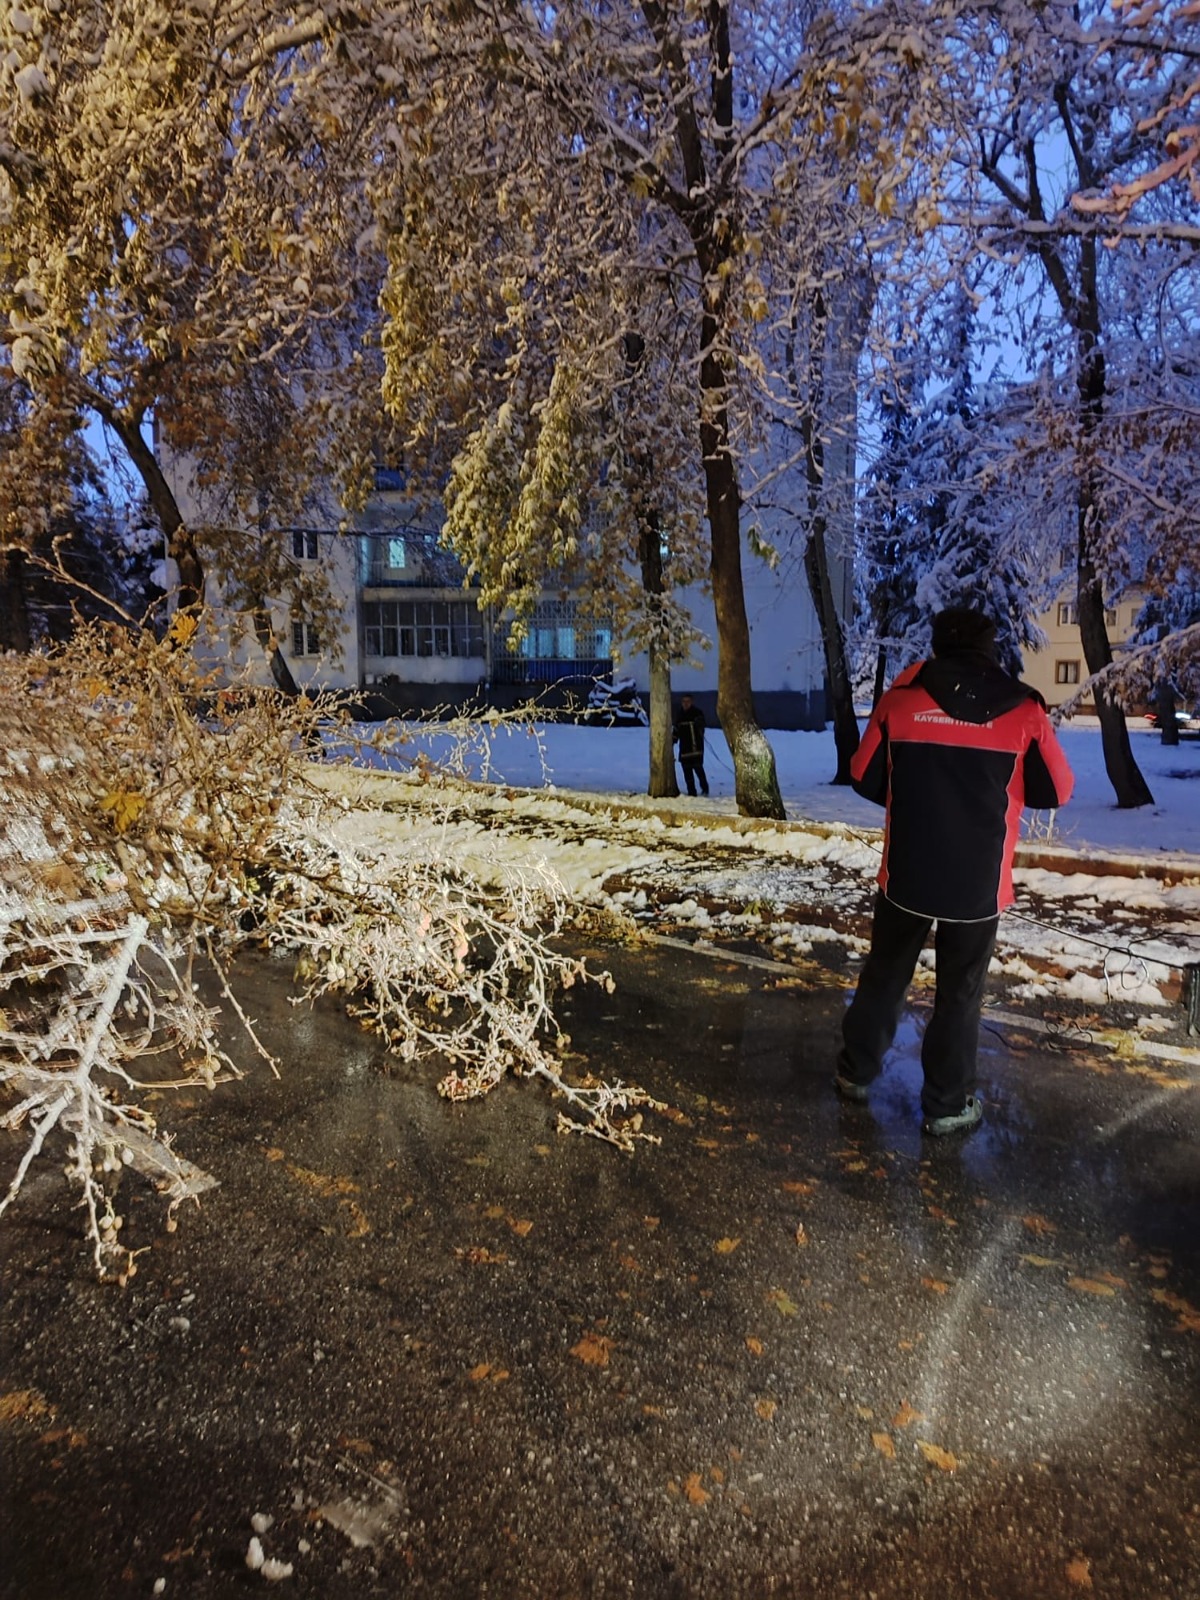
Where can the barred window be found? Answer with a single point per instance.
(422, 628)
(304, 640)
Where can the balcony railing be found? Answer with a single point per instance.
(516, 669)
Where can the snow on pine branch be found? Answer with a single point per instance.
(152, 830)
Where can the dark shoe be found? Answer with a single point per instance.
(963, 1121)
(849, 1090)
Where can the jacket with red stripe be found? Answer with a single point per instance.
(955, 749)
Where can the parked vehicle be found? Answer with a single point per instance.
(615, 705)
(1185, 721)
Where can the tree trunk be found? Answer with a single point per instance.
(1130, 786)
(280, 671)
(1164, 706)
(663, 783)
(181, 546)
(820, 587)
(880, 683)
(756, 786)
(15, 633)
(755, 782)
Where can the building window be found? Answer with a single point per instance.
(1110, 616)
(395, 555)
(1068, 615)
(1066, 672)
(304, 640)
(304, 545)
(422, 628)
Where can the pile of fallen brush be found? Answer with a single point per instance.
(152, 826)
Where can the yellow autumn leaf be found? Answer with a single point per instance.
(1189, 1317)
(696, 1492)
(937, 1457)
(801, 1186)
(520, 1227)
(25, 1405)
(766, 1408)
(359, 1226)
(905, 1415)
(124, 806)
(883, 1443)
(726, 1247)
(755, 1346)
(782, 1302)
(183, 628)
(479, 1373)
(1091, 1286)
(593, 1349)
(1079, 1572)
(1038, 1225)
(938, 1285)
(1040, 1261)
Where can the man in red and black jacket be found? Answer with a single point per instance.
(954, 750)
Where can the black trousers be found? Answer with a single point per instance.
(949, 1050)
(693, 768)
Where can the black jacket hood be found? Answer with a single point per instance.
(971, 687)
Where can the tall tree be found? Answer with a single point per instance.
(179, 206)
(554, 163)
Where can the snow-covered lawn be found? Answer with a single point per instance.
(574, 799)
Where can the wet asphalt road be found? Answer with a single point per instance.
(796, 1350)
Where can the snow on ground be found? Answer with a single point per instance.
(573, 798)
(614, 761)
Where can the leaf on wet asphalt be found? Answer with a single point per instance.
(783, 1302)
(486, 1370)
(865, 1412)
(802, 1186)
(1091, 1286)
(321, 1182)
(708, 1144)
(479, 1256)
(24, 1405)
(766, 1409)
(650, 1222)
(1189, 1317)
(857, 1165)
(1039, 1225)
(359, 1226)
(593, 1349)
(726, 1247)
(1079, 1572)
(941, 1216)
(493, 1212)
(273, 1153)
(938, 1285)
(541, 1149)
(905, 1415)
(695, 1491)
(801, 1236)
(520, 1227)
(1041, 1261)
(937, 1457)
(755, 1346)
(883, 1443)
(1111, 1277)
